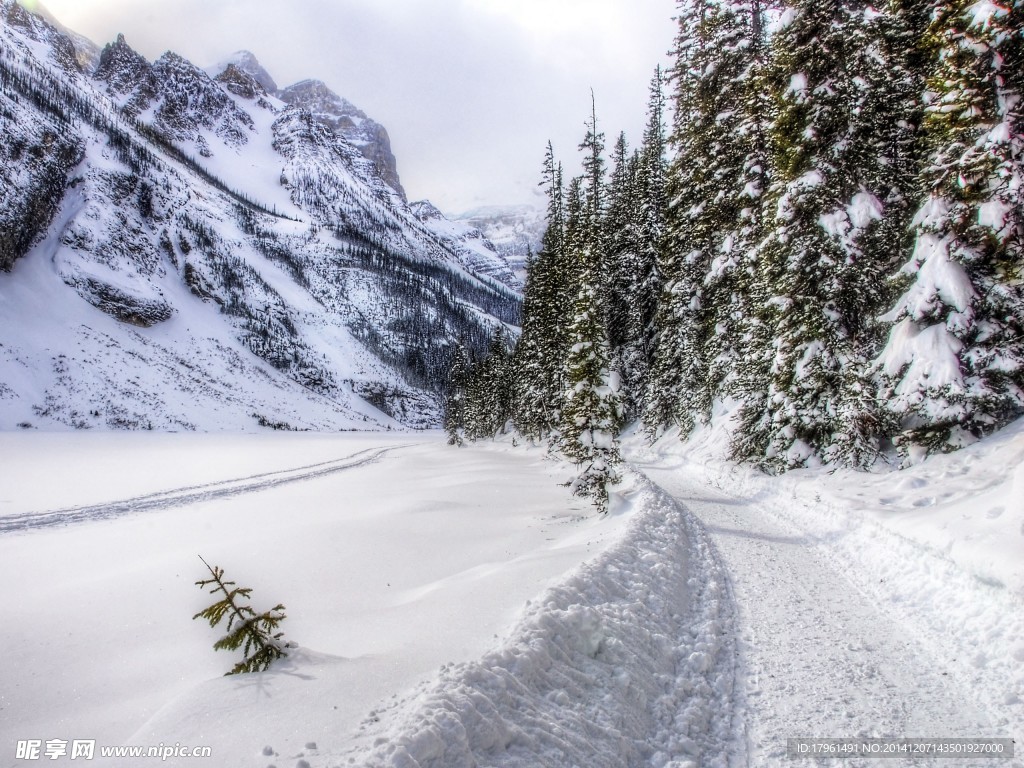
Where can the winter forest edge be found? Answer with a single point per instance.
(827, 240)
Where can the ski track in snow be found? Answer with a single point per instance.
(193, 494)
(629, 661)
(820, 657)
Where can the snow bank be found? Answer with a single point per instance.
(938, 546)
(629, 660)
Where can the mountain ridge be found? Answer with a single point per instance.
(213, 258)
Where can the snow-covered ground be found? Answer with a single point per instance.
(883, 604)
(392, 557)
(456, 607)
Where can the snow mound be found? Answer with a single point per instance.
(630, 660)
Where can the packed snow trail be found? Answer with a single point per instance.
(192, 494)
(820, 658)
(630, 661)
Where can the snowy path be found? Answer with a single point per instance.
(820, 658)
(629, 662)
(192, 494)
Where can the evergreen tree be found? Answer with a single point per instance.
(489, 397)
(455, 400)
(538, 374)
(253, 632)
(622, 240)
(837, 204)
(591, 419)
(954, 362)
(592, 147)
(649, 211)
(714, 185)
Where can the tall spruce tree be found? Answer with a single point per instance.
(455, 399)
(954, 362)
(622, 240)
(834, 211)
(714, 186)
(538, 384)
(592, 416)
(489, 398)
(649, 212)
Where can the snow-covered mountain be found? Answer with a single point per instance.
(515, 231)
(327, 107)
(472, 248)
(185, 251)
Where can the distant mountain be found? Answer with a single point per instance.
(87, 53)
(471, 248)
(181, 251)
(515, 231)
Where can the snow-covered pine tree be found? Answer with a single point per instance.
(622, 238)
(592, 417)
(537, 358)
(831, 239)
(954, 362)
(715, 181)
(592, 147)
(646, 284)
(489, 398)
(455, 399)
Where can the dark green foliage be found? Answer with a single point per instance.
(488, 391)
(840, 148)
(714, 187)
(756, 269)
(537, 371)
(254, 633)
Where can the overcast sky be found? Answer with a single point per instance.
(469, 90)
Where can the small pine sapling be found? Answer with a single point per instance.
(253, 632)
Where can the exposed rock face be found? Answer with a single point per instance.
(241, 83)
(35, 27)
(36, 154)
(327, 107)
(248, 63)
(347, 120)
(128, 76)
(86, 52)
(188, 100)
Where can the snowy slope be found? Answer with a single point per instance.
(515, 231)
(228, 236)
(390, 560)
(474, 251)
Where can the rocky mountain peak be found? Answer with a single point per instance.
(246, 62)
(124, 70)
(241, 83)
(426, 210)
(86, 52)
(40, 29)
(350, 122)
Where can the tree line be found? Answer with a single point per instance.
(827, 239)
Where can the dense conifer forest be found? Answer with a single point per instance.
(827, 239)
